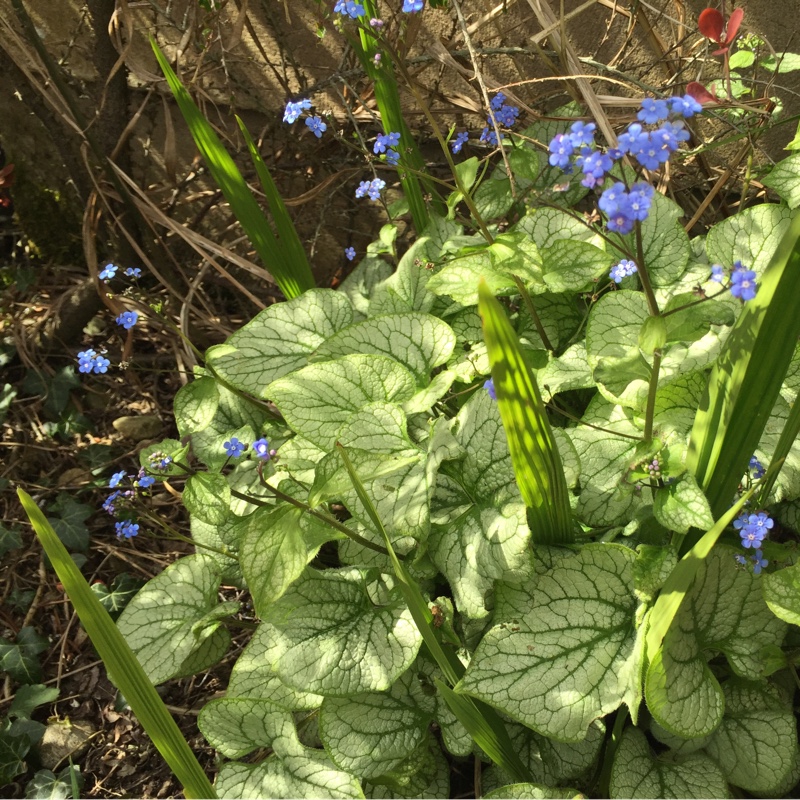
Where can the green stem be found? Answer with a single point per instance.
(651, 396)
(652, 304)
(526, 298)
(604, 782)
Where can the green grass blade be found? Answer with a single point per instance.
(746, 378)
(120, 661)
(534, 454)
(789, 434)
(481, 721)
(287, 239)
(292, 277)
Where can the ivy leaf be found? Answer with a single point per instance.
(119, 594)
(10, 539)
(236, 725)
(29, 697)
(750, 236)
(310, 775)
(420, 342)
(173, 623)
(196, 405)
(572, 658)
(69, 523)
(318, 400)
(337, 642)
(782, 593)
(13, 750)
(756, 743)
(279, 339)
(572, 266)
(254, 674)
(638, 773)
(274, 553)
(784, 178)
(723, 611)
(19, 660)
(682, 505)
(371, 734)
(207, 496)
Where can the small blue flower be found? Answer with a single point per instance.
(717, 273)
(126, 528)
(561, 151)
(743, 282)
(653, 111)
(385, 140)
(489, 386)
(412, 6)
(582, 134)
(86, 360)
(146, 481)
(295, 109)
(756, 467)
(376, 186)
(234, 448)
(633, 138)
(488, 136)
(753, 528)
(459, 141)
(686, 106)
(759, 562)
(594, 167)
(108, 506)
(100, 365)
(350, 8)
(611, 198)
(109, 271)
(622, 270)
(640, 199)
(392, 157)
(363, 188)
(496, 103)
(316, 125)
(262, 450)
(507, 116)
(133, 272)
(350, 254)
(127, 319)
(116, 479)
(621, 220)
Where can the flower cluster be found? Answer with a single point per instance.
(121, 499)
(756, 468)
(753, 528)
(742, 282)
(294, 110)
(159, 461)
(651, 147)
(622, 270)
(90, 361)
(385, 143)
(372, 189)
(502, 113)
(459, 141)
(349, 8)
(261, 449)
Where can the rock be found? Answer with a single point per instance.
(138, 428)
(63, 739)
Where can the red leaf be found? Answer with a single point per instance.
(711, 24)
(700, 93)
(734, 22)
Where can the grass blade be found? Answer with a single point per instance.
(292, 277)
(534, 454)
(746, 379)
(120, 661)
(481, 721)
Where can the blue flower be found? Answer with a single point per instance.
(507, 116)
(759, 562)
(753, 528)
(632, 139)
(127, 319)
(392, 157)
(621, 221)
(295, 109)
(384, 141)
(100, 365)
(350, 8)
(375, 188)
(488, 136)
(159, 460)
(561, 151)
(653, 111)
(686, 106)
(116, 479)
(363, 188)
(640, 199)
(146, 481)
(489, 386)
(594, 167)
(756, 467)
(108, 506)
(460, 140)
(611, 198)
(496, 103)
(582, 134)
(234, 448)
(261, 449)
(622, 270)
(743, 282)
(133, 272)
(126, 528)
(109, 271)
(717, 273)
(86, 360)
(316, 125)
(412, 6)
(350, 254)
